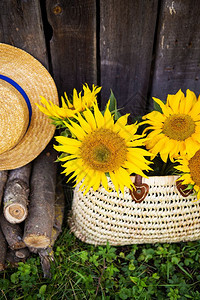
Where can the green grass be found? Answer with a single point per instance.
(81, 271)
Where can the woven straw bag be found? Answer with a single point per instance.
(161, 215)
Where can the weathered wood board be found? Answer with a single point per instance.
(126, 44)
(73, 45)
(177, 62)
(21, 26)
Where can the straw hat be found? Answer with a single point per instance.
(24, 130)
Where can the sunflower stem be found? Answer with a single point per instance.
(162, 173)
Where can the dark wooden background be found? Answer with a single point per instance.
(137, 48)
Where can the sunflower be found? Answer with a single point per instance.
(70, 109)
(101, 147)
(190, 167)
(176, 129)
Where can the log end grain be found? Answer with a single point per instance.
(22, 253)
(15, 213)
(37, 241)
(18, 245)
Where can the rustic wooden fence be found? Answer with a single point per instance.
(138, 48)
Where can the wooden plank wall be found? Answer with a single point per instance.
(177, 53)
(139, 49)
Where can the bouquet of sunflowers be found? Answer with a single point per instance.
(104, 155)
(96, 145)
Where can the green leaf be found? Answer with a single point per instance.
(125, 293)
(14, 277)
(131, 266)
(157, 107)
(188, 261)
(175, 260)
(42, 289)
(113, 106)
(83, 256)
(113, 101)
(93, 259)
(134, 279)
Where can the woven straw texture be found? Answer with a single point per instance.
(164, 215)
(18, 146)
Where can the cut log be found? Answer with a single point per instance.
(16, 194)
(3, 249)
(47, 255)
(13, 257)
(59, 213)
(40, 220)
(22, 253)
(13, 233)
(3, 179)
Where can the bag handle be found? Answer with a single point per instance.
(182, 188)
(140, 191)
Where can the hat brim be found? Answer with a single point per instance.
(36, 81)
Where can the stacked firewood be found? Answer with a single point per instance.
(32, 210)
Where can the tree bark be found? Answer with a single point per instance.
(47, 255)
(13, 257)
(40, 220)
(59, 213)
(3, 179)
(16, 194)
(3, 249)
(13, 233)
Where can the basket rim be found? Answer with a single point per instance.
(166, 180)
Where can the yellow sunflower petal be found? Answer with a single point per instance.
(165, 109)
(97, 181)
(76, 130)
(195, 111)
(77, 103)
(191, 146)
(159, 147)
(67, 141)
(67, 157)
(114, 181)
(134, 169)
(66, 149)
(120, 123)
(155, 116)
(198, 194)
(98, 117)
(104, 181)
(44, 110)
(108, 118)
(174, 100)
(83, 123)
(69, 104)
(154, 133)
(90, 118)
(191, 99)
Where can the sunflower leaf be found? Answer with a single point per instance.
(157, 107)
(189, 187)
(113, 106)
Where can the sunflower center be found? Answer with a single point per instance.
(194, 166)
(179, 127)
(103, 150)
(101, 154)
